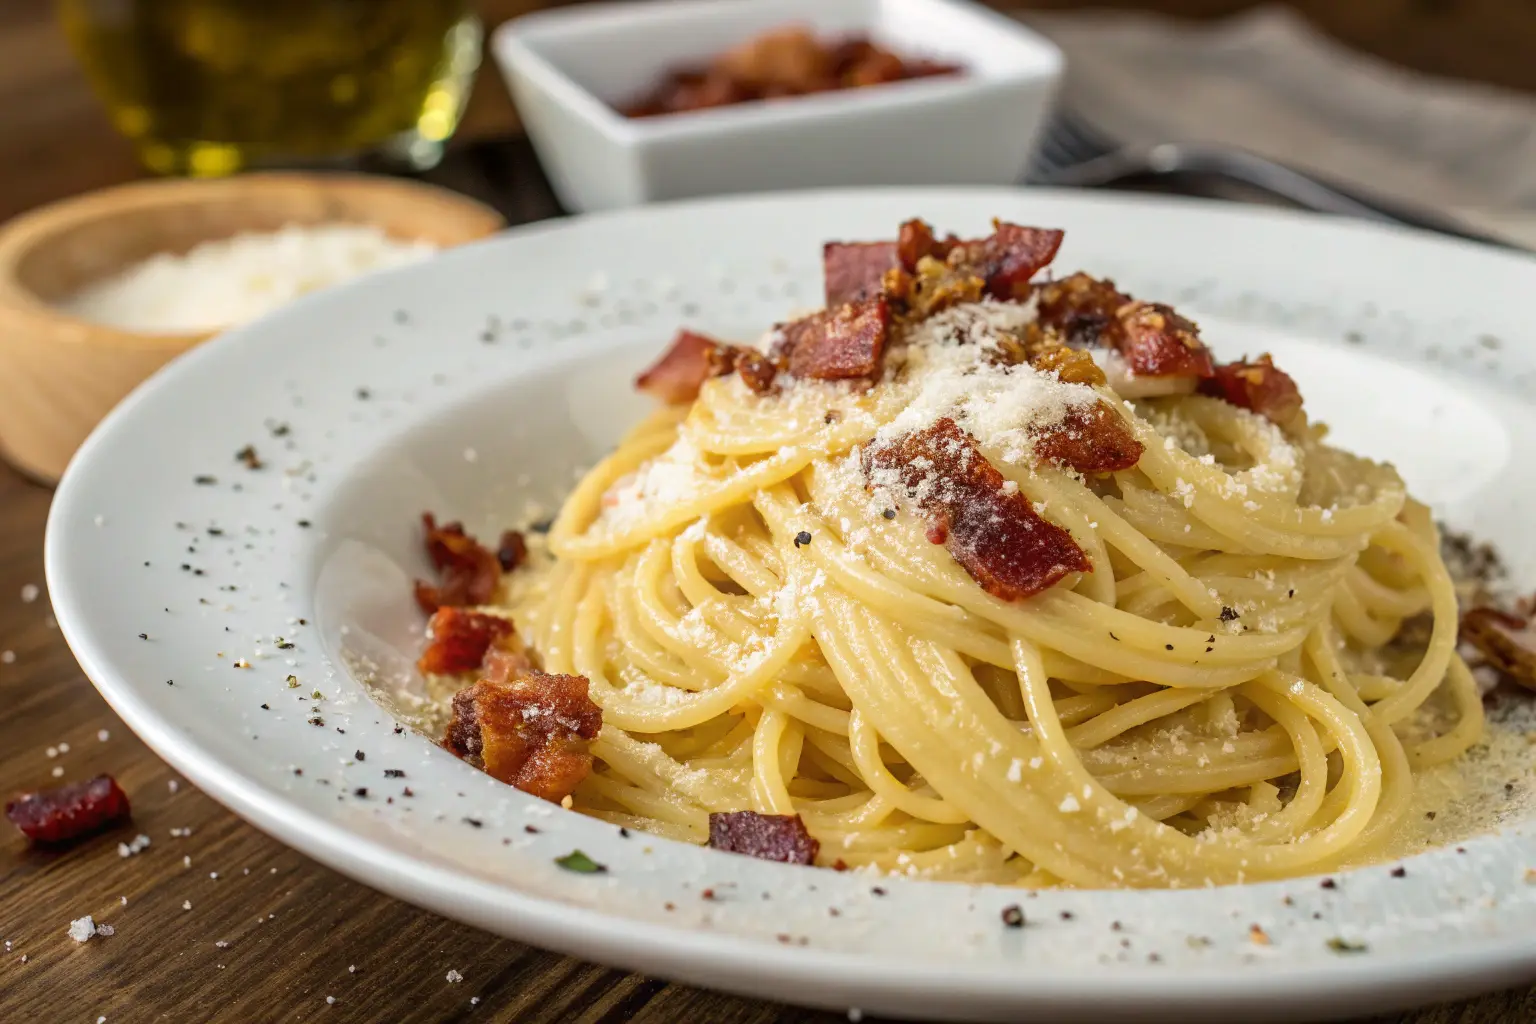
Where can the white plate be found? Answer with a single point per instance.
(1417, 349)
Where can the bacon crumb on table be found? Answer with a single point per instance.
(468, 572)
(780, 837)
(995, 535)
(528, 728)
(69, 812)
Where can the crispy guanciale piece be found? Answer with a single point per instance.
(467, 571)
(1082, 309)
(934, 286)
(851, 271)
(1094, 440)
(1161, 343)
(511, 550)
(916, 241)
(1008, 258)
(1259, 386)
(459, 640)
(1154, 340)
(1507, 641)
(780, 837)
(1044, 349)
(530, 729)
(683, 368)
(995, 534)
(69, 812)
(845, 343)
(756, 370)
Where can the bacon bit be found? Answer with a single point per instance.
(1046, 350)
(839, 344)
(527, 728)
(511, 551)
(996, 536)
(755, 369)
(1258, 936)
(1154, 340)
(1258, 386)
(780, 837)
(1507, 641)
(1008, 258)
(915, 241)
(469, 572)
(1082, 309)
(692, 359)
(851, 271)
(69, 812)
(1089, 441)
(933, 287)
(460, 640)
(1161, 343)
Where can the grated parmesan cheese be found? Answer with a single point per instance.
(953, 355)
(235, 280)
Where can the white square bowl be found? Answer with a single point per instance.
(568, 69)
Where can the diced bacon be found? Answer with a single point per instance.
(511, 550)
(995, 535)
(756, 370)
(1507, 641)
(1093, 440)
(681, 371)
(1009, 257)
(1259, 386)
(1082, 309)
(69, 812)
(839, 344)
(1154, 340)
(467, 571)
(527, 728)
(851, 271)
(780, 837)
(460, 639)
(916, 240)
(1160, 343)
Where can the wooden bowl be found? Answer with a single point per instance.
(60, 375)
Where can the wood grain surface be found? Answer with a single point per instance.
(213, 920)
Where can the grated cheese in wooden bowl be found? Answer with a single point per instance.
(232, 281)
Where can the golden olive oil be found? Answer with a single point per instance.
(206, 87)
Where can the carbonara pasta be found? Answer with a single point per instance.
(999, 579)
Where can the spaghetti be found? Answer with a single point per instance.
(1023, 589)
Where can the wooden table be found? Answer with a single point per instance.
(214, 921)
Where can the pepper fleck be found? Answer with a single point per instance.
(475, 822)
(531, 830)
(204, 480)
(802, 538)
(394, 773)
(889, 513)
(1228, 613)
(1013, 916)
(360, 791)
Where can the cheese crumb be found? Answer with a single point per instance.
(454, 977)
(81, 929)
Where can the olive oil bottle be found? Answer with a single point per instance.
(207, 87)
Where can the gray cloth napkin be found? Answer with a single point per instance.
(1266, 81)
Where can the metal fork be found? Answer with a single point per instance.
(1071, 152)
